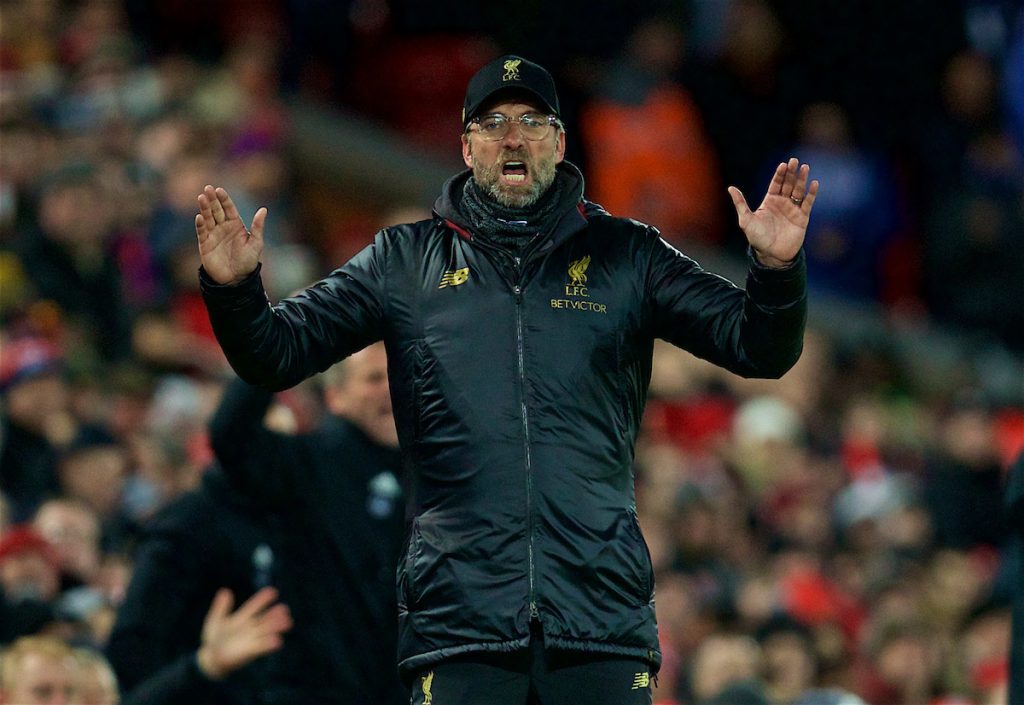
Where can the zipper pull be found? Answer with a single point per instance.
(534, 612)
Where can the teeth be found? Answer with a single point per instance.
(515, 177)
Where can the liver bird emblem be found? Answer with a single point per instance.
(577, 271)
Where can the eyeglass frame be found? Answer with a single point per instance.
(552, 120)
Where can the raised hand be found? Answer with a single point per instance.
(231, 640)
(777, 228)
(228, 251)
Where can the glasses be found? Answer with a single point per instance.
(534, 126)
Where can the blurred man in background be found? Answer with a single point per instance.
(337, 501)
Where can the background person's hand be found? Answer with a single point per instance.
(232, 640)
(777, 228)
(228, 251)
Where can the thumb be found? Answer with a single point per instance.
(740, 203)
(258, 221)
(221, 606)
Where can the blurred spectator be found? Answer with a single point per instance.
(29, 581)
(860, 215)
(95, 682)
(341, 529)
(748, 93)
(70, 259)
(725, 670)
(1014, 509)
(974, 244)
(656, 163)
(908, 661)
(205, 541)
(789, 659)
(37, 670)
(92, 469)
(73, 529)
(965, 479)
(36, 420)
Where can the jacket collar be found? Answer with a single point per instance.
(574, 209)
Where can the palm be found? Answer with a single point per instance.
(231, 640)
(777, 228)
(227, 250)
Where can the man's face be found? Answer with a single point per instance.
(41, 679)
(74, 531)
(363, 395)
(28, 574)
(514, 171)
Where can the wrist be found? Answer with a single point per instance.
(207, 664)
(772, 262)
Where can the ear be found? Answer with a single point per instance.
(335, 400)
(467, 151)
(560, 147)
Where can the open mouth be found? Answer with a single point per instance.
(514, 172)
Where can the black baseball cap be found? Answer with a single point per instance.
(509, 73)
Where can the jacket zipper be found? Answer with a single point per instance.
(516, 283)
(517, 289)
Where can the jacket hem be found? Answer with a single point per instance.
(408, 668)
(649, 656)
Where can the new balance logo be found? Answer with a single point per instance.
(641, 680)
(454, 277)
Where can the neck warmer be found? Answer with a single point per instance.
(506, 226)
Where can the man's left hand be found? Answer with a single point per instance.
(776, 229)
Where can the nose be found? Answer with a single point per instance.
(514, 136)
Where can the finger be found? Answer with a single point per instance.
(206, 211)
(258, 222)
(778, 178)
(220, 606)
(259, 601)
(276, 619)
(201, 231)
(742, 209)
(267, 645)
(225, 201)
(789, 179)
(812, 193)
(800, 188)
(215, 205)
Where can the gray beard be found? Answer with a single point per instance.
(487, 179)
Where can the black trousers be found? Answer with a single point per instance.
(534, 676)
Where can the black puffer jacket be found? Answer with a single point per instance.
(518, 388)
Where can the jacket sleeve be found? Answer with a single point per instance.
(145, 647)
(278, 346)
(753, 333)
(257, 462)
(178, 682)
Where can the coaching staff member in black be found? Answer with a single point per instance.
(519, 323)
(336, 499)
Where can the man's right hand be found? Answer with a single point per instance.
(231, 640)
(228, 251)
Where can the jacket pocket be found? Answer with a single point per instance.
(407, 587)
(643, 560)
(417, 390)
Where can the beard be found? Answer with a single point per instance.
(542, 175)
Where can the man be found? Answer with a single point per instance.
(37, 670)
(1014, 512)
(519, 323)
(176, 639)
(336, 498)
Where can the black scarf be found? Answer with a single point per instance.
(507, 226)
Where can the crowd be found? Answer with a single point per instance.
(834, 534)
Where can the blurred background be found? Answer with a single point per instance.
(841, 527)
